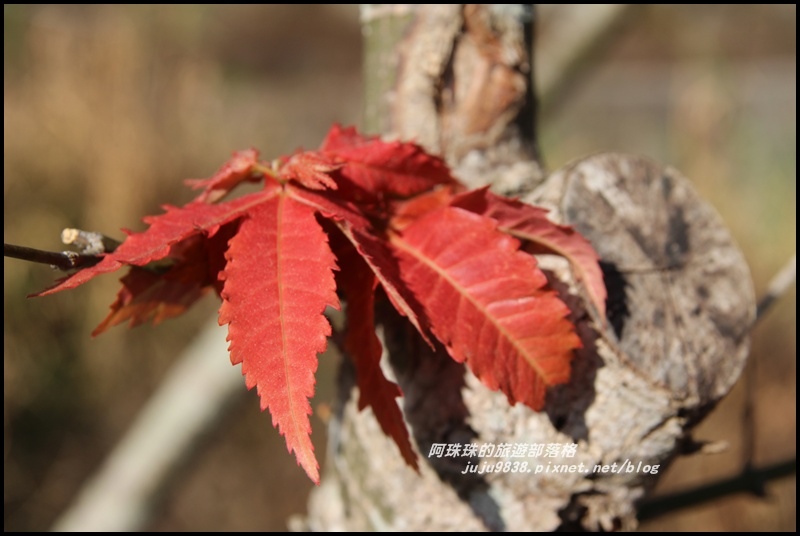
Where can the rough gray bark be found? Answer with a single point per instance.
(681, 305)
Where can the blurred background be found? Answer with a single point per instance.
(108, 108)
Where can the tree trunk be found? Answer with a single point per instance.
(457, 79)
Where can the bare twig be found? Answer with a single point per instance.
(64, 260)
(778, 286)
(750, 480)
(89, 242)
(90, 245)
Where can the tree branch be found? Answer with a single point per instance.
(90, 245)
(65, 260)
(778, 286)
(749, 480)
(89, 242)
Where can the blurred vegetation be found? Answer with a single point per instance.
(108, 108)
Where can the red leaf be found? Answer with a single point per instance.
(216, 246)
(447, 268)
(358, 283)
(278, 281)
(407, 211)
(149, 294)
(374, 250)
(391, 169)
(240, 168)
(175, 225)
(166, 293)
(342, 139)
(540, 235)
(311, 169)
(487, 304)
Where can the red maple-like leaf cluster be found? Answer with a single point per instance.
(357, 214)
